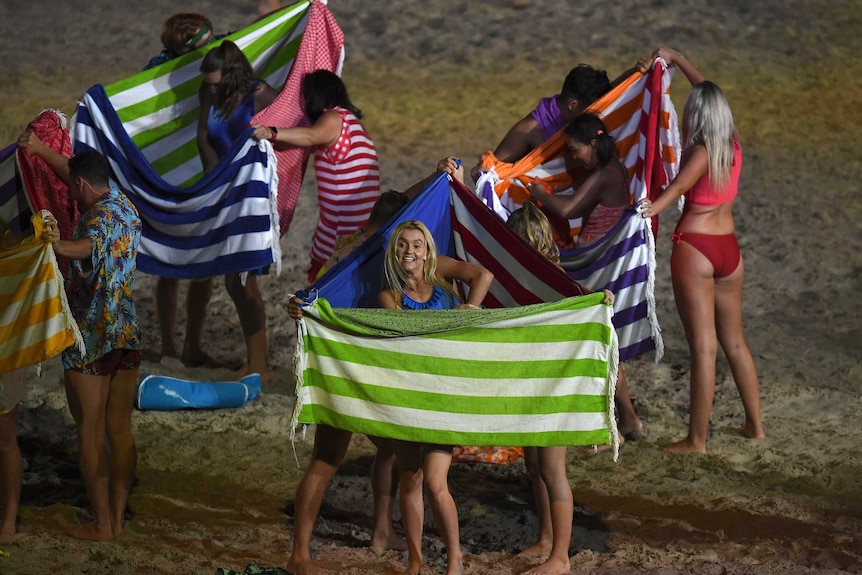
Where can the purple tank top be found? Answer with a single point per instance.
(548, 116)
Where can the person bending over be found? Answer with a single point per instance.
(100, 383)
(583, 86)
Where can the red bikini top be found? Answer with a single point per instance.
(702, 193)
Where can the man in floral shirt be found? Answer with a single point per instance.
(100, 383)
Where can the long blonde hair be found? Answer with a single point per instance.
(707, 121)
(530, 223)
(395, 276)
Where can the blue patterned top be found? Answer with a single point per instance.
(100, 288)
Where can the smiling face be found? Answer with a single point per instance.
(411, 250)
(584, 153)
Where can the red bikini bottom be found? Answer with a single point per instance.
(722, 251)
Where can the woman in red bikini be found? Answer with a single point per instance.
(706, 265)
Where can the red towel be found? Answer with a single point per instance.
(320, 47)
(44, 189)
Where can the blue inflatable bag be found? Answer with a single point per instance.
(163, 393)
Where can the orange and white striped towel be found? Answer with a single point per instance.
(638, 112)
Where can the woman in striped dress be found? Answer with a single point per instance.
(345, 161)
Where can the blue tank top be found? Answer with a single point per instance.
(440, 299)
(223, 132)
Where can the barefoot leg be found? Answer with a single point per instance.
(88, 397)
(11, 474)
(542, 546)
(124, 454)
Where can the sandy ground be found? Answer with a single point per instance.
(215, 488)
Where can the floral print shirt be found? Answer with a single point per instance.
(100, 288)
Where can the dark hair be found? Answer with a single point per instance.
(180, 28)
(237, 75)
(386, 206)
(322, 90)
(92, 166)
(585, 84)
(588, 127)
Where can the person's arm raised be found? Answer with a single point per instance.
(674, 58)
(55, 160)
(448, 164)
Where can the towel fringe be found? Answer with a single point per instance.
(275, 228)
(655, 328)
(613, 371)
(300, 363)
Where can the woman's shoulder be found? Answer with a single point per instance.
(264, 94)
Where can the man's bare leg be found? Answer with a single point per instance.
(88, 398)
(124, 455)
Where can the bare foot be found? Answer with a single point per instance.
(171, 363)
(540, 548)
(305, 568)
(684, 447)
(7, 534)
(550, 567)
(393, 541)
(455, 566)
(118, 527)
(265, 376)
(412, 568)
(91, 532)
(633, 431)
(752, 431)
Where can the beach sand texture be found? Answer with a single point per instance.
(215, 488)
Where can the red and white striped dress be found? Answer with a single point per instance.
(348, 184)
